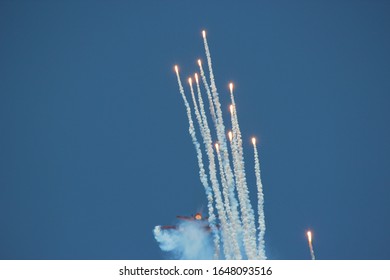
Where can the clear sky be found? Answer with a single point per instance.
(94, 144)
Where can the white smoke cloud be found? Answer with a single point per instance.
(189, 241)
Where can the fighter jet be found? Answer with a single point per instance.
(197, 218)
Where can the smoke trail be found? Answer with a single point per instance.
(249, 231)
(232, 230)
(242, 190)
(210, 98)
(202, 173)
(213, 176)
(236, 223)
(240, 161)
(260, 203)
(309, 239)
(201, 105)
(196, 109)
(209, 194)
(234, 219)
(220, 127)
(212, 81)
(250, 244)
(218, 197)
(312, 252)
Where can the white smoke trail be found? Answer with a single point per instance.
(208, 92)
(202, 173)
(242, 189)
(233, 244)
(218, 198)
(234, 219)
(312, 252)
(220, 125)
(209, 194)
(229, 174)
(212, 81)
(196, 109)
(249, 230)
(240, 172)
(309, 239)
(220, 128)
(213, 176)
(260, 203)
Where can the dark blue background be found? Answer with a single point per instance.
(94, 145)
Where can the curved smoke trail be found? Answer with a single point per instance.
(260, 203)
(202, 173)
(233, 223)
(233, 219)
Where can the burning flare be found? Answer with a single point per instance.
(309, 239)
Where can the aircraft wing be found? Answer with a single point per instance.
(186, 218)
(168, 227)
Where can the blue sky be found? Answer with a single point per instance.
(94, 146)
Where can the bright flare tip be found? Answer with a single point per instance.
(196, 77)
(230, 134)
(190, 80)
(309, 235)
(231, 87)
(176, 69)
(217, 147)
(254, 141)
(200, 63)
(204, 33)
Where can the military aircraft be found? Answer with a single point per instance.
(197, 218)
